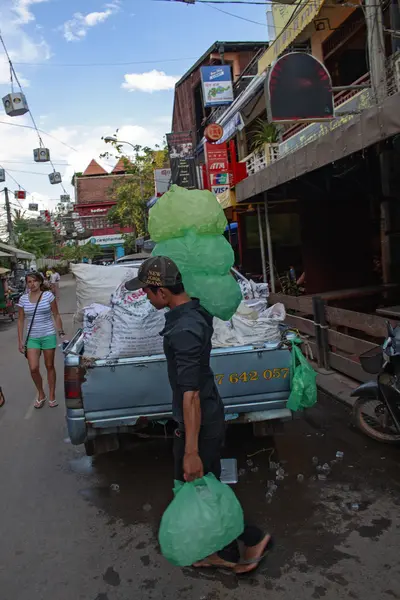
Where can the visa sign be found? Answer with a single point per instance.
(219, 189)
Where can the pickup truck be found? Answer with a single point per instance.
(106, 398)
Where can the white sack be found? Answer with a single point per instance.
(98, 340)
(249, 325)
(90, 314)
(263, 329)
(96, 283)
(136, 325)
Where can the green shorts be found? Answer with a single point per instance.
(48, 342)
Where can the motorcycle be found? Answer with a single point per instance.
(377, 408)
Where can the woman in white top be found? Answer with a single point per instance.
(42, 335)
(55, 284)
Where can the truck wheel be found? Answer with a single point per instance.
(89, 448)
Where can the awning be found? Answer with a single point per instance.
(22, 254)
(360, 131)
(4, 255)
(298, 22)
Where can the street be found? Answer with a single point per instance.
(79, 528)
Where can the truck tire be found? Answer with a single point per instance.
(89, 448)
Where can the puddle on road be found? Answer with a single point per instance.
(308, 518)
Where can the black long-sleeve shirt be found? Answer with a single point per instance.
(187, 346)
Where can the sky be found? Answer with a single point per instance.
(136, 51)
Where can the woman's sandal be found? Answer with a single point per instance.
(53, 403)
(40, 403)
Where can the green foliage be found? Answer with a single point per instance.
(264, 133)
(129, 243)
(32, 235)
(132, 192)
(78, 253)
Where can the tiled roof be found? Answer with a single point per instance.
(94, 168)
(120, 166)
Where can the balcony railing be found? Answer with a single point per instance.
(261, 158)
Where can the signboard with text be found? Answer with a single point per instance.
(216, 157)
(217, 85)
(181, 158)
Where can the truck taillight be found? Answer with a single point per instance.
(73, 377)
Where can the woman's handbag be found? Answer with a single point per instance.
(30, 327)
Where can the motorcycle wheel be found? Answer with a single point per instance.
(371, 416)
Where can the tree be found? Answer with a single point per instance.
(132, 192)
(78, 253)
(32, 235)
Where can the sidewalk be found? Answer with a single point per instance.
(336, 385)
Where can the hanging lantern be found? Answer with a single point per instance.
(15, 105)
(41, 154)
(20, 194)
(2, 175)
(55, 177)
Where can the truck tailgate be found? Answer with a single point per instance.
(246, 378)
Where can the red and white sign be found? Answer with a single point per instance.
(213, 132)
(217, 158)
(20, 194)
(162, 181)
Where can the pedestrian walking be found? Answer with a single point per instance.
(39, 309)
(55, 284)
(197, 406)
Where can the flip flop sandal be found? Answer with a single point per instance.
(40, 403)
(256, 561)
(53, 403)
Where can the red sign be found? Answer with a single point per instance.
(213, 132)
(20, 194)
(217, 158)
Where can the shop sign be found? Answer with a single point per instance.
(162, 181)
(106, 240)
(217, 85)
(234, 124)
(298, 89)
(98, 210)
(219, 189)
(181, 158)
(219, 178)
(299, 22)
(216, 157)
(213, 132)
(34, 207)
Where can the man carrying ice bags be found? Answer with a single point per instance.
(197, 406)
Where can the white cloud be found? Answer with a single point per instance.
(21, 46)
(23, 12)
(76, 28)
(86, 143)
(152, 81)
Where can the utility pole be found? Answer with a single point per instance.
(376, 49)
(9, 219)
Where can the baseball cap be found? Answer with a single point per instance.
(159, 271)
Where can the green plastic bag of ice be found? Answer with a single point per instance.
(204, 517)
(188, 226)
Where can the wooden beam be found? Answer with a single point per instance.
(303, 325)
(349, 367)
(356, 292)
(348, 343)
(370, 324)
(302, 304)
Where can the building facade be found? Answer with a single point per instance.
(93, 202)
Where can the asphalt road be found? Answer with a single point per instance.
(67, 532)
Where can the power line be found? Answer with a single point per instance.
(237, 16)
(13, 73)
(117, 64)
